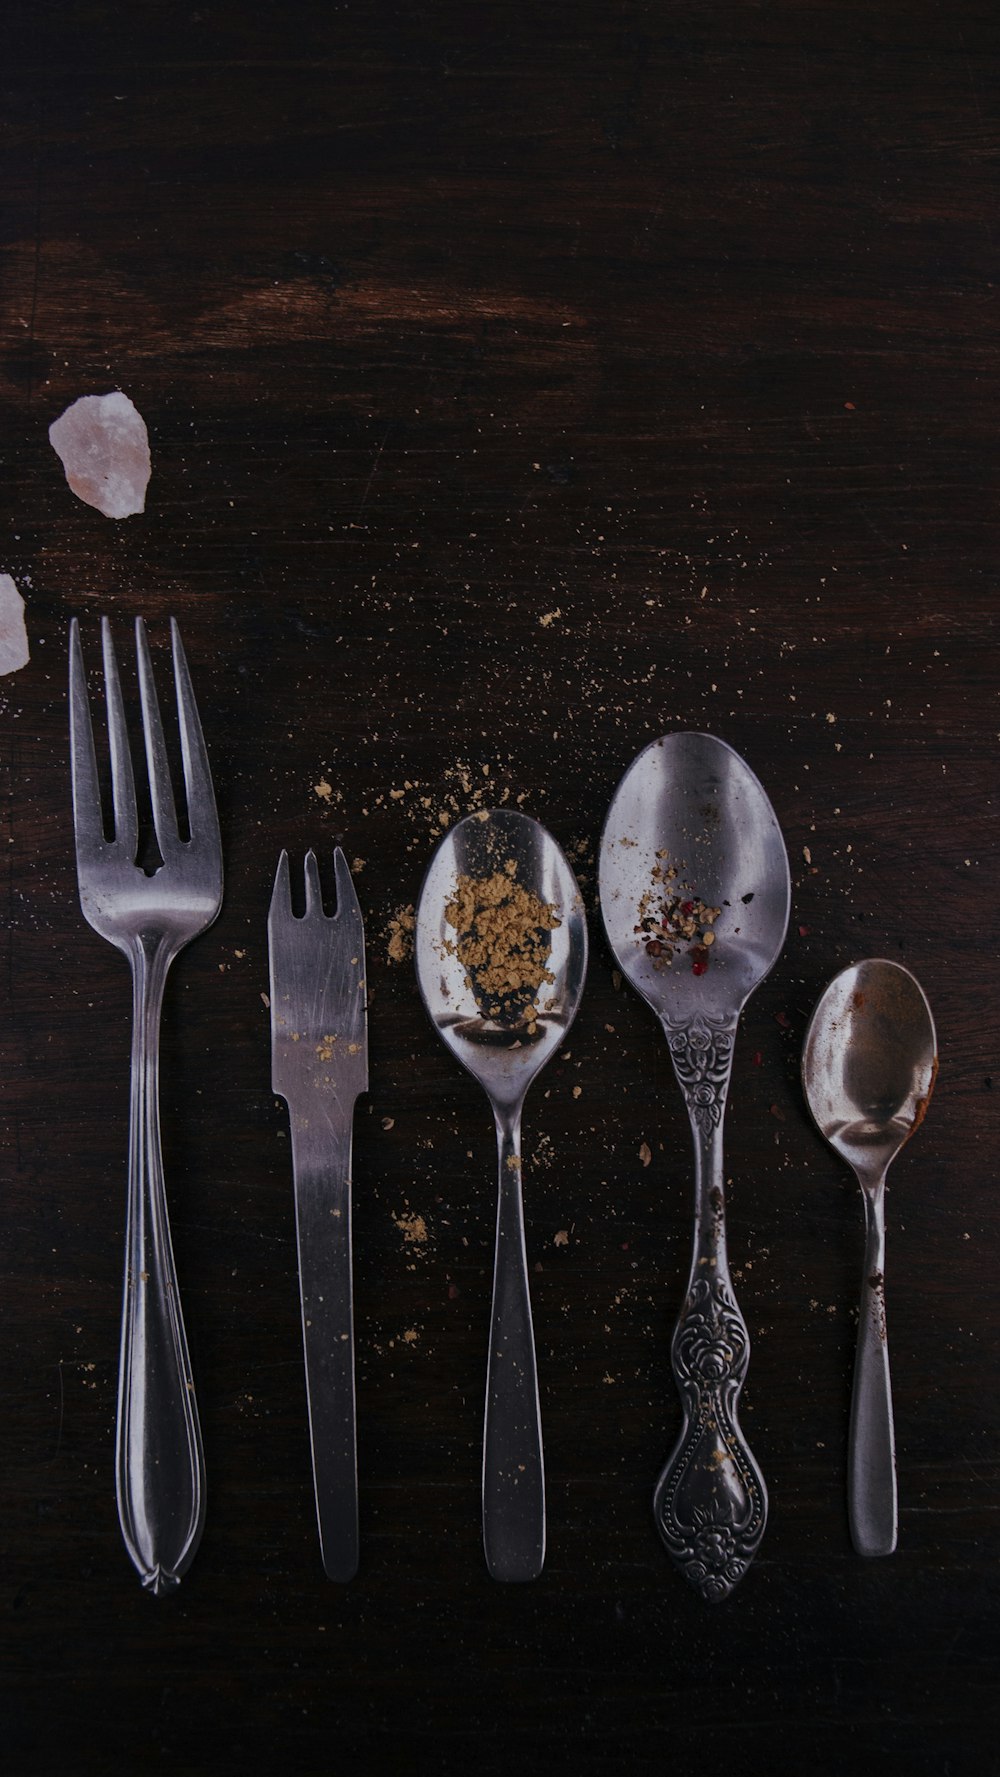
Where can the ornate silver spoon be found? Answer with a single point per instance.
(695, 894)
(502, 992)
(868, 1067)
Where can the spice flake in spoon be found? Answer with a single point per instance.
(673, 919)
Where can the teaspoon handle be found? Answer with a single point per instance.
(513, 1470)
(872, 1445)
(710, 1502)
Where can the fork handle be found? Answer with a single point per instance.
(160, 1466)
(321, 1154)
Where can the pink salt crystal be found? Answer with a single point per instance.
(13, 635)
(104, 447)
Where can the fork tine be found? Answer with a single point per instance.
(202, 816)
(281, 894)
(314, 893)
(88, 821)
(122, 779)
(161, 794)
(347, 900)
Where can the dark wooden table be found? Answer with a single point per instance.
(522, 383)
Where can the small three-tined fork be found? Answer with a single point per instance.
(319, 1065)
(150, 916)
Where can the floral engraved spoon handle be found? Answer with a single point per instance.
(710, 1502)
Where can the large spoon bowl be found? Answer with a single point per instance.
(690, 805)
(504, 1049)
(691, 797)
(869, 1063)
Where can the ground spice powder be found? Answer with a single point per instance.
(502, 939)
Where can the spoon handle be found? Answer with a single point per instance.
(871, 1486)
(710, 1502)
(513, 1470)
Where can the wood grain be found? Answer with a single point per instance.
(521, 383)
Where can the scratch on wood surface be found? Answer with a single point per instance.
(374, 471)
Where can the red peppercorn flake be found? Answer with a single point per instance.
(758, 1059)
(675, 918)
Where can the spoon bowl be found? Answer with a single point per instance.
(689, 802)
(869, 1063)
(695, 894)
(487, 1034)
(502, 998)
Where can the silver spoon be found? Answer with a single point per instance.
(868, 1067)
(504, 1044)
(689, 804)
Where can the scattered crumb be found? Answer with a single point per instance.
(644, 1154)
(412, 1227)
(562, 1238)
(323, 790)
(400, 934)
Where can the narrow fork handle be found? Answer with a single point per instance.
(710, 1502)
(322, 1164)
(871, 1492)
(160, 1465)
(513, 1469)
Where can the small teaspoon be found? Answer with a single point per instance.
(869, 1062)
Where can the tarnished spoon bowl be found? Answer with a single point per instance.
(689, 803)
(868, 1068)
(505, 1052)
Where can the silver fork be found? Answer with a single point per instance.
(160, 1467)
(319, 1065)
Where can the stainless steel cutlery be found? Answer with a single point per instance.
(319, 1065)
(695, 893)
(501, 953)
(869, 1063)
(149, 913)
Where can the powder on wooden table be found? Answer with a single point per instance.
(502, 940)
